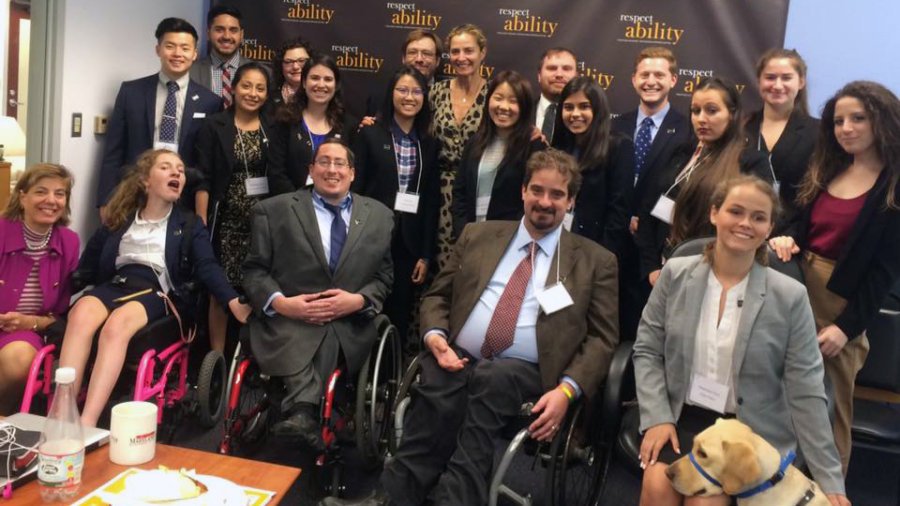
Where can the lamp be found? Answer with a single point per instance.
(11, 138)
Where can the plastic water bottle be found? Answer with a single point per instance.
(61, 452)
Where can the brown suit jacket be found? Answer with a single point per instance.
(577, 341)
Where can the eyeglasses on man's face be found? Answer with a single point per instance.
(337, 163)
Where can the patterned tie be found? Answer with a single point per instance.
(169, 123)
(226, 86)
(549, 122)
(502, 328)
(642, 146)
(338, 235)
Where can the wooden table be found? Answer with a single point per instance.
(98, 470)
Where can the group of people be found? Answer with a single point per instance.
(322, 220)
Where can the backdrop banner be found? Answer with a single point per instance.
(708, 37)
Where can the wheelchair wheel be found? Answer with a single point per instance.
(211, 389)
(247, 422)
(401, 403)
(376, 387)
(574, 475)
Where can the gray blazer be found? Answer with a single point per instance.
(201, 70)
(286, 255)
(778, 371)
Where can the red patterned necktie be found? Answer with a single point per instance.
(502, 328)
(226, 86)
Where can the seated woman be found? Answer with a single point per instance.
(132, 260)
(723, 322)
(488, 184)
(37, 255)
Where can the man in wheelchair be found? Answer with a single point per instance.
(523, 310)
(318, 271)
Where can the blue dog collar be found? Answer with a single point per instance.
(771, 482)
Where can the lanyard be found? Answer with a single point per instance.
(759, 148)
(685, 174)
(240, 139)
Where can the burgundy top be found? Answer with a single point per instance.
(831, 222)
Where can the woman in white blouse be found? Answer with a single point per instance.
(137, 257)
(724, 336)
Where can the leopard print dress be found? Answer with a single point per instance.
(453, 138)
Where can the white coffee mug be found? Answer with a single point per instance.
(132, 433)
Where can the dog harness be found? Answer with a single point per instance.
(762, 487)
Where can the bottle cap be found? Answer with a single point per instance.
(65, 375)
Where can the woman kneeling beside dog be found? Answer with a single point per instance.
(723, 335)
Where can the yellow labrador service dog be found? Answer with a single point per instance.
(730, 458)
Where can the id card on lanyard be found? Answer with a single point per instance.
(405, 200)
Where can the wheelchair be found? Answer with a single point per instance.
(356, 410)
(575, 460)
(157, 359)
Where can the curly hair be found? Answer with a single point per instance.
(29, 178)
(131, 194)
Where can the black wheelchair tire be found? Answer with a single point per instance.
(211, 386)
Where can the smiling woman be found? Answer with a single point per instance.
(37, 255)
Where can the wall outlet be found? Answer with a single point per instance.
(100, 123)
(76, 124)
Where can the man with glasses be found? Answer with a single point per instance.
(421, 50)
(318, 272)
(225, 35)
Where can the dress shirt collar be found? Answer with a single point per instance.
(140, 221)
(657, 118)
(543, 103)
(232, 62)
(320, 201)
(398, 132)
(182, 81)
(546, 244)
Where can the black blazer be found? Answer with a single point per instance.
(674, 132)
(603, 205)
(292, 152)
(216, 160)
(376, 177)
(506, 194)
(131, 127)
(98, 260)
(790, 157)
(653, 234)
(869, 262)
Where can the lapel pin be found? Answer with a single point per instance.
(195, 97)
(670, 131)
(387, 147)
(177, 232)
(356, 222)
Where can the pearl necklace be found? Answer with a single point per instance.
(40, 245)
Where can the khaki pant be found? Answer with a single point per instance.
(842, 369)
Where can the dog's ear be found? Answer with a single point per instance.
(741, 466)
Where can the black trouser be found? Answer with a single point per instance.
(450, 428)
(398, 306)
(633, 291)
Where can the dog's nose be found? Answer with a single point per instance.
(670, 472)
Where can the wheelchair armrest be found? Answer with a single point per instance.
(619, 387)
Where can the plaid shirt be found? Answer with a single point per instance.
(216, 64)
(406, 153)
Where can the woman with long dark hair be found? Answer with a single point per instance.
(684, 188)
(396, 163)
(848, 232)
(606, 160)
(488, 183)
(127, 261)
(316, 113)
(233, 156)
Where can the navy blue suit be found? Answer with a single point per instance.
(98, 261)
(132, 123)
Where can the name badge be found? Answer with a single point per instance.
(309, 181)
(708, 393)
(567, 221)
(256, 186)
(554, 298)
(663, 209)
(481, 206)
(171, 146)
(199, 115)
(407, 203)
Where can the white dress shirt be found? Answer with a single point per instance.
(541, 111)
(144, 243)
(162, 92)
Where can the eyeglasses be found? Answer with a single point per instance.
(326, 163)
(404, 91)
(287, 62)
(414, 53)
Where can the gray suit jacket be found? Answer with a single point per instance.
(286, 255)
(201, 70)
(778, 372)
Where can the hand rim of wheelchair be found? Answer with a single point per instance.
(578, 454)
(375, 395)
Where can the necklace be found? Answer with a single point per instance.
(42, 239)
(466, 94)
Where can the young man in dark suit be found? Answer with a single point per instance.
(162, 110)
(657, 130)
(558, 67)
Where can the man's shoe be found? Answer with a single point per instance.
(303, 428)
(376, 498)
